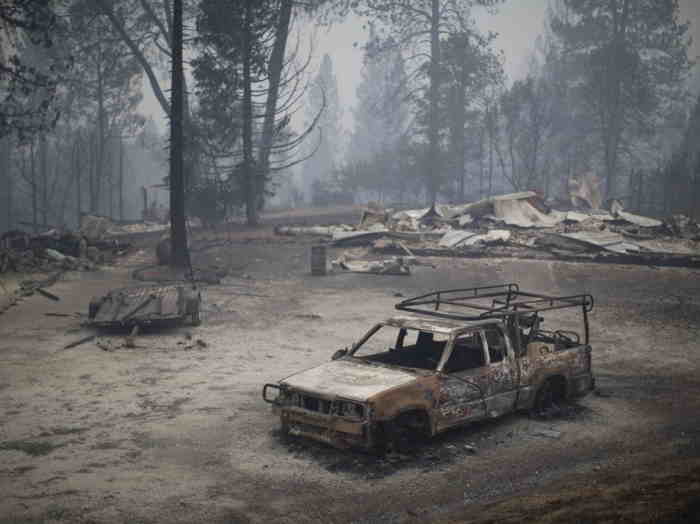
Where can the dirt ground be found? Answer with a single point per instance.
(175, 430)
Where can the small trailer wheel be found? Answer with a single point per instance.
(196, 321)
(94, 308)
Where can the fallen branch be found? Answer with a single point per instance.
(102, 346)
(47, 294)
(80, 341)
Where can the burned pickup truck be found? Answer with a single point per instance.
(460, 356)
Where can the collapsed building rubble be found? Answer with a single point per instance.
(39, 260)
(57, 249)
(54, 252)
(99, 229)
(523, 225)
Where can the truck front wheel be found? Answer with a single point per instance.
(408, 432)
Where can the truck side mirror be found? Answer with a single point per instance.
(339, 354)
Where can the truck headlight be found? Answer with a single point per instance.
(274, 394)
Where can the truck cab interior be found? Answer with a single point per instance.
(410, 348)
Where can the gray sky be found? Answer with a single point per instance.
(518, 23)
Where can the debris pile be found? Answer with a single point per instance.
(27, 288)
(60, 250)
(41, 260)
(99, 229)
(523, 225)
(391, 266)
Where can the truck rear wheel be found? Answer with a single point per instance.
(550, 397)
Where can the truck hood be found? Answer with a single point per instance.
(348, 379)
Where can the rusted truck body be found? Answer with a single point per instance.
(145, 305)
(460, 356)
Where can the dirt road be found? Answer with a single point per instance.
(175, 431)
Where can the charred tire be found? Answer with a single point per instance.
(550, 397)
(93, 308)
(408, 432)
(193, 310)
(195, 317)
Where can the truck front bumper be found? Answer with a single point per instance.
(333, 430)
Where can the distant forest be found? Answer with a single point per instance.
(609, 98)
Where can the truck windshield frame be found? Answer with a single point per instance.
(427, 351)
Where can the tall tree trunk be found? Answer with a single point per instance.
(91, 173)
(190, 145)
(275, 74)
(640, 189)
(178, 233)
(515, 175)
(612, 116)
(77, 167)
(43, 161)
(110, 178)
(611, 152)
(110, 182)
(491, 139)
(6, 167)
(481, 163)
(121, 177)
(64, 177)
(100, 137)
(59, 184)
(458, 142)
(696, 193)
(35, 225)
(249, 171)
(433, 168)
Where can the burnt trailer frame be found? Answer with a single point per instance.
(145, 305)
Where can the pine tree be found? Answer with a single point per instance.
(323, 96)
(632, 55)
(178, 233)
(374, 160)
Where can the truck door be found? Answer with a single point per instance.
(502, 373)
(463, 381)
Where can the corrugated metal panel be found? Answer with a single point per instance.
(604, 240)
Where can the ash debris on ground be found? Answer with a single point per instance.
(441, 451)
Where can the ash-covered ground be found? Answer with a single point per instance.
(175, 430)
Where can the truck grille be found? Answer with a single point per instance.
(311, 403)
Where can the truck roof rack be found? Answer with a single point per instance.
(496, 301)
